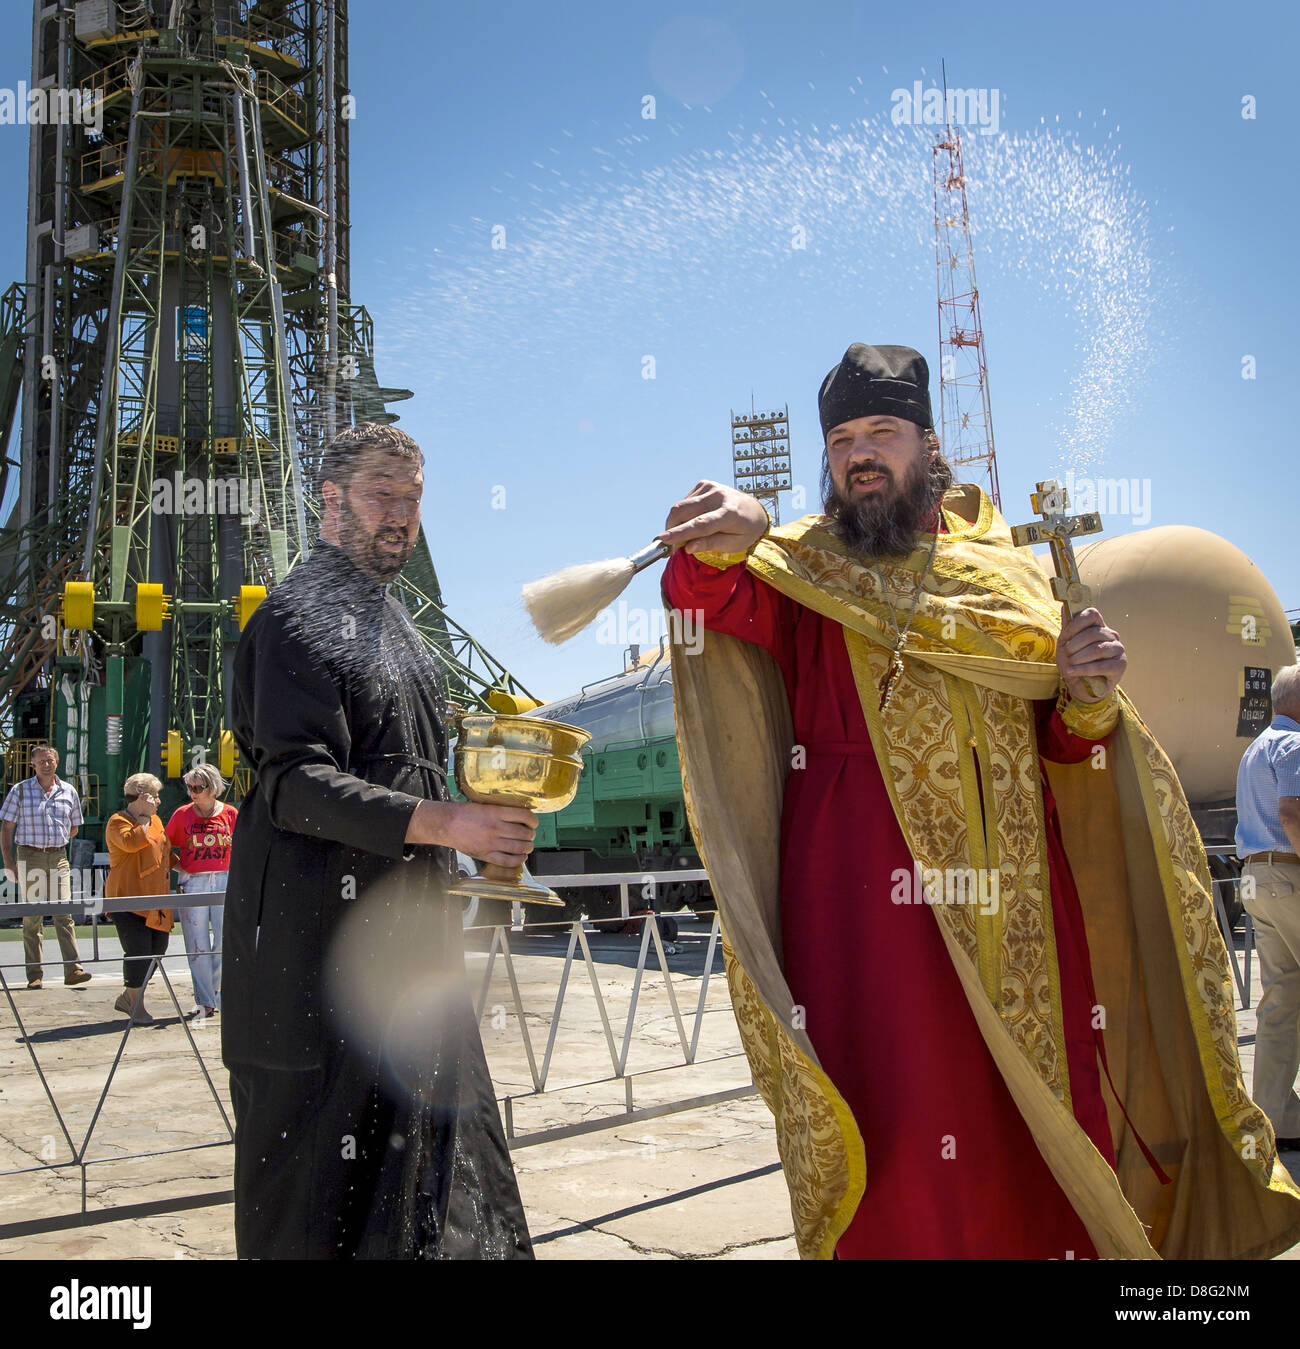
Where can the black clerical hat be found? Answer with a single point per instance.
(876, 381)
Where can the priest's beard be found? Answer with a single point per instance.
(887, 523)
(364, 549)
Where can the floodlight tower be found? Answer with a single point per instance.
(760, 455)
(185, 343)
(965, 410)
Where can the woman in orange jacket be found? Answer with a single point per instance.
(139, 863)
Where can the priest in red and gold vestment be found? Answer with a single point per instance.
(967, 918)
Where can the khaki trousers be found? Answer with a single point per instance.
(44, 874)
(1275, 909)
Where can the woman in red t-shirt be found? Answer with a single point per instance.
(200, 835)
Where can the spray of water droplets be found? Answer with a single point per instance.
(1067, 216)
(636, 243)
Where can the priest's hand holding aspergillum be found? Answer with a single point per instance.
(713, 518)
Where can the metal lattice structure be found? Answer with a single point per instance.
(966, 413)
(184, 345)
(760, 455)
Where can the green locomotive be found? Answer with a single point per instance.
(630, 812)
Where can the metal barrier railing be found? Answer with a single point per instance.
(644, 880)
(1242, 979)
(650, 935)
(499, 950)
(96, 908)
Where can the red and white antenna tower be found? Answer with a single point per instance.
(967, 419)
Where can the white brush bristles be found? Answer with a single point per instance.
(562, 604)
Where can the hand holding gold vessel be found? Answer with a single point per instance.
(523, 764)
(498, 834)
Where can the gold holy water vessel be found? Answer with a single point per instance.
(515, 761)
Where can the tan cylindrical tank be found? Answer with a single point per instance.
(1195, 613)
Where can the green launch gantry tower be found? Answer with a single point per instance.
(184, 344)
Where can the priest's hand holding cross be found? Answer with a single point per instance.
(1089, 655)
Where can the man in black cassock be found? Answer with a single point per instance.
(365, 1121)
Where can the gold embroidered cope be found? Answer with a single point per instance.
(981, 650)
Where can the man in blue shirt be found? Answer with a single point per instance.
(1268, 842)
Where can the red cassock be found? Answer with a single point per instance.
(952, 1170)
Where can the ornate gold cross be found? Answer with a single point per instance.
(1056, 529)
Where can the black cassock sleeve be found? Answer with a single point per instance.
(292, 725)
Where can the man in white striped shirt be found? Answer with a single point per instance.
(42, 814)
(1268, 842)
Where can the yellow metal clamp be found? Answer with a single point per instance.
(510, 704)
(246, 602)
(151, 607)
(79, 605)
(173, 759)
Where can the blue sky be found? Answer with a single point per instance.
(1134, 242)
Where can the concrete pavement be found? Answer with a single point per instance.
(701, 1184)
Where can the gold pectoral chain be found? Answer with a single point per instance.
(896, 667)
